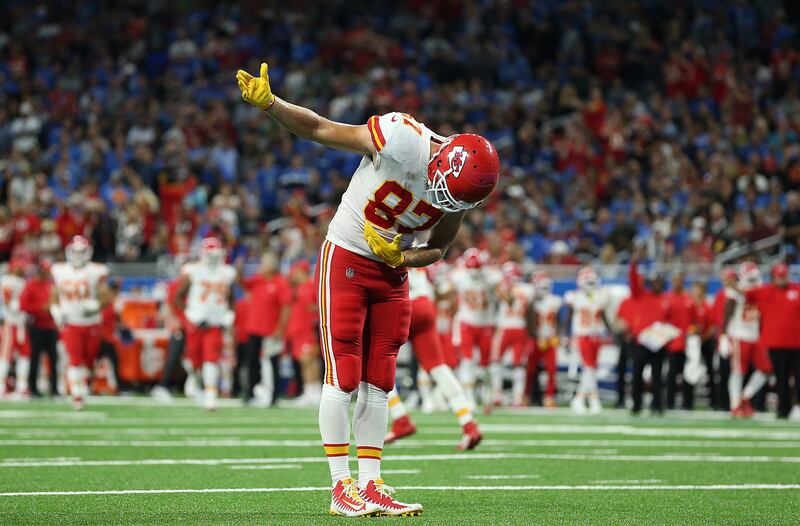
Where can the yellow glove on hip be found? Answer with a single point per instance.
(256, 90)
(390, 253)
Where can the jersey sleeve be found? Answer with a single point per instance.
(396, 135)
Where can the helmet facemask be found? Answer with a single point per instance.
(438, 192)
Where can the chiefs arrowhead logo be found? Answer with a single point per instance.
(457, 158)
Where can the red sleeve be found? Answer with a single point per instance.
(634, 281)
(285, 293)
(249, 282)
(25, 299)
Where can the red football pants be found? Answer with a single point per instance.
(516, 339)
(481, 337)
(364, 314)
(82, 343)
(423, 336)
(546, 355)
(15, 341)
(746, 353)
(589, 348)
(203, 344)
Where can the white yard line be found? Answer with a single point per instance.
(400, 458)
(627, 481)
(500, 477)
(709, 487)
(266, 466)
(399, 472)
(671, 431)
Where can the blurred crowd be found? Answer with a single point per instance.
(671, 122)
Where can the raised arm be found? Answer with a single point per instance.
(301, 121)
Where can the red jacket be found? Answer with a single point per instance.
(650, 306)
(268, 296)
(780, 315)
(682, 313)
(35, 301)
(241, 309)
(304, 311)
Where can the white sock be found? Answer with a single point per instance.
(266, 378)
(76, 381)
(334, 428)
(210, 381)
(756, 382)
(312, 389)
(424, 386)
(112, 377)
(453, 392)
(4, 367)
(588, 381)
(735, 389)
(397, 409)
(23, 368)
(466, 375)
(518, 375)
(371, 418)
(496, 380)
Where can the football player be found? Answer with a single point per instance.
(586, 308)
(740, 339)
(80, 292)
(544, 323)
(512, 334)
(475, 317)
(14, 342)
(409, 180)
(301, 337)
(204, 293)
(428, 350)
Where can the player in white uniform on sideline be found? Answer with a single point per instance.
(205, 295)
(428, 350)
(544, 322)
(14, 343)
(514, 299)
(587, 307)
(80, 291)
(740, 339)
(473, 285)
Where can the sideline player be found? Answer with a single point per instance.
(205, 295)
(428, 350)
(741, 333)
(301, 337)
(15, 335)
(410, 180)
(473, 287)
(544, 312)
(515, 297)
(79, 293)
(587, 311)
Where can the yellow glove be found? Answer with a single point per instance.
(390, 253)
(256, 90)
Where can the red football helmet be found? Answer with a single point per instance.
(588, 279)
(78, 251)
(542, 283)
(473, 258)
(211, 252)
(511, 271)
(749, 275)
(462, 173)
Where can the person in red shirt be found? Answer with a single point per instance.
(35, 302)
(683, 315)
(108, 336)
(626, 318)
(705, 328)
(729, 279)
(651, 308)
(779, 304)
(265, 326)
(301, 333)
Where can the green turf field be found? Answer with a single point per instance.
(129, 461)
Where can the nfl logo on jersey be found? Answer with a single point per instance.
(350, 273)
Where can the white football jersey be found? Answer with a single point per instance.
(514, 315)
(77, 288)
(419, 286)
(587, 312)
(208, 299)
(473, 288)
(11, 287)
(389, 191)
(547, 309)
(745, 322)
(445, 306)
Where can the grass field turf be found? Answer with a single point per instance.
(250, 466)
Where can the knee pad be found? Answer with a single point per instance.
(348, 372)
(383, 378)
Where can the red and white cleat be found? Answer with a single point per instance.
(401, 428)
(77, 403)
(746, 409)
(471, 437)
(379, 494)
(347, 502)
